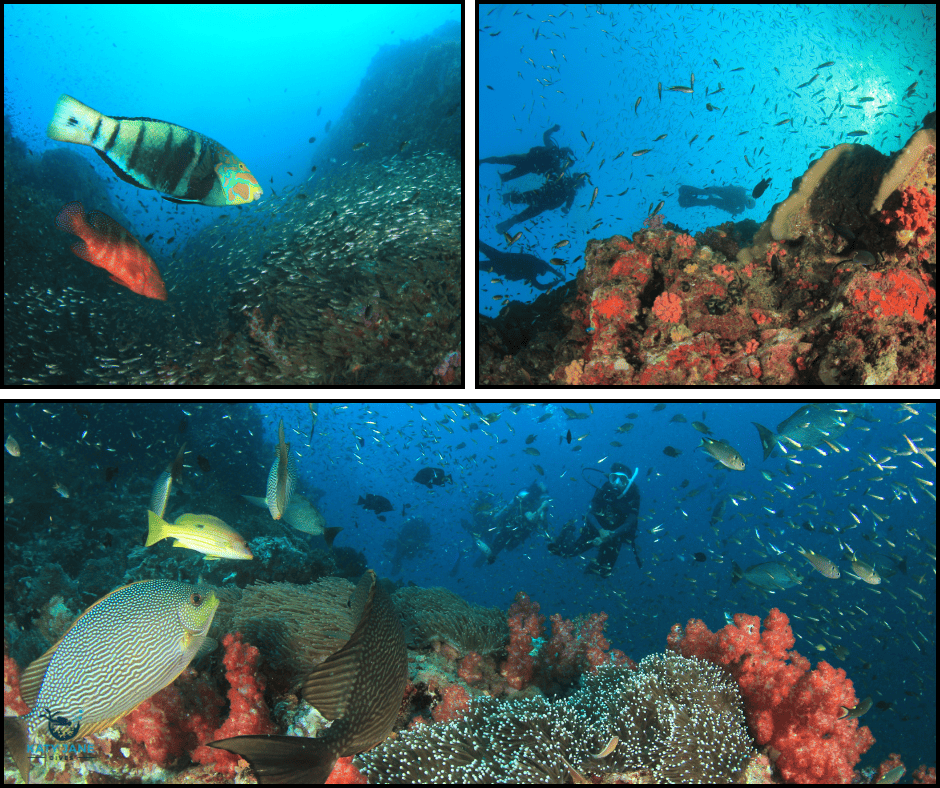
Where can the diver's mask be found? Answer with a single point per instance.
(622, 482)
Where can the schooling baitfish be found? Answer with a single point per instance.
(154, 154)
(126, 647)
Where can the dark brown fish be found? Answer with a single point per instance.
(360, 688)
(760, 188)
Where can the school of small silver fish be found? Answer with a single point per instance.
(384, 232)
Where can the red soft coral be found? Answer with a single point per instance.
(525, 623)
(791, 708)
(248, 713)
(668, 308)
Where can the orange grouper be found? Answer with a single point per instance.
(109, 246)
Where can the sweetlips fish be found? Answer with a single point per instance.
(154, 154)
(126, 647)
(359, 688)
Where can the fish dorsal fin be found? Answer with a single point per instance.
(329, 686)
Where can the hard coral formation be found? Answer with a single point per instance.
(679, 718)
(832, 291)
(668, 308)
(438, 614)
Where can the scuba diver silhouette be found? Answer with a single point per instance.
(497, 527)
(518, 266)
(553, 194)
(612, 519)
(733, 199)
(547, 159)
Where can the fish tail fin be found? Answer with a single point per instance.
(157, 526)
(73, 121)
(14, 737)
(360, 502)
(329, 534)
(736, 572)
(767, 438)
(283, 758)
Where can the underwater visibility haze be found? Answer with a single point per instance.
(517, 593)
(260, 194)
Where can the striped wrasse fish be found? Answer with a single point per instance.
(164, 483)
(125, 648)
(154, 154)
(282, 477)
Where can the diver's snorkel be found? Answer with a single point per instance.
(616, 480)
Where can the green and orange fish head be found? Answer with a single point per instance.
(237, 183)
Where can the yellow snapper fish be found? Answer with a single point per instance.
(164, 483)
(201, 532)
(282, 477)
(123, 649)
(154, 154)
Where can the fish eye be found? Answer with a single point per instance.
(196, 599)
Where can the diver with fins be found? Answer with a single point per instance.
(547, 159)
(497, 526)
(554, 193)
(733, 199)
(611, 520)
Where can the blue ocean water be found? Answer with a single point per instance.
(251, 77)
(583, 67)
(867, 493)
